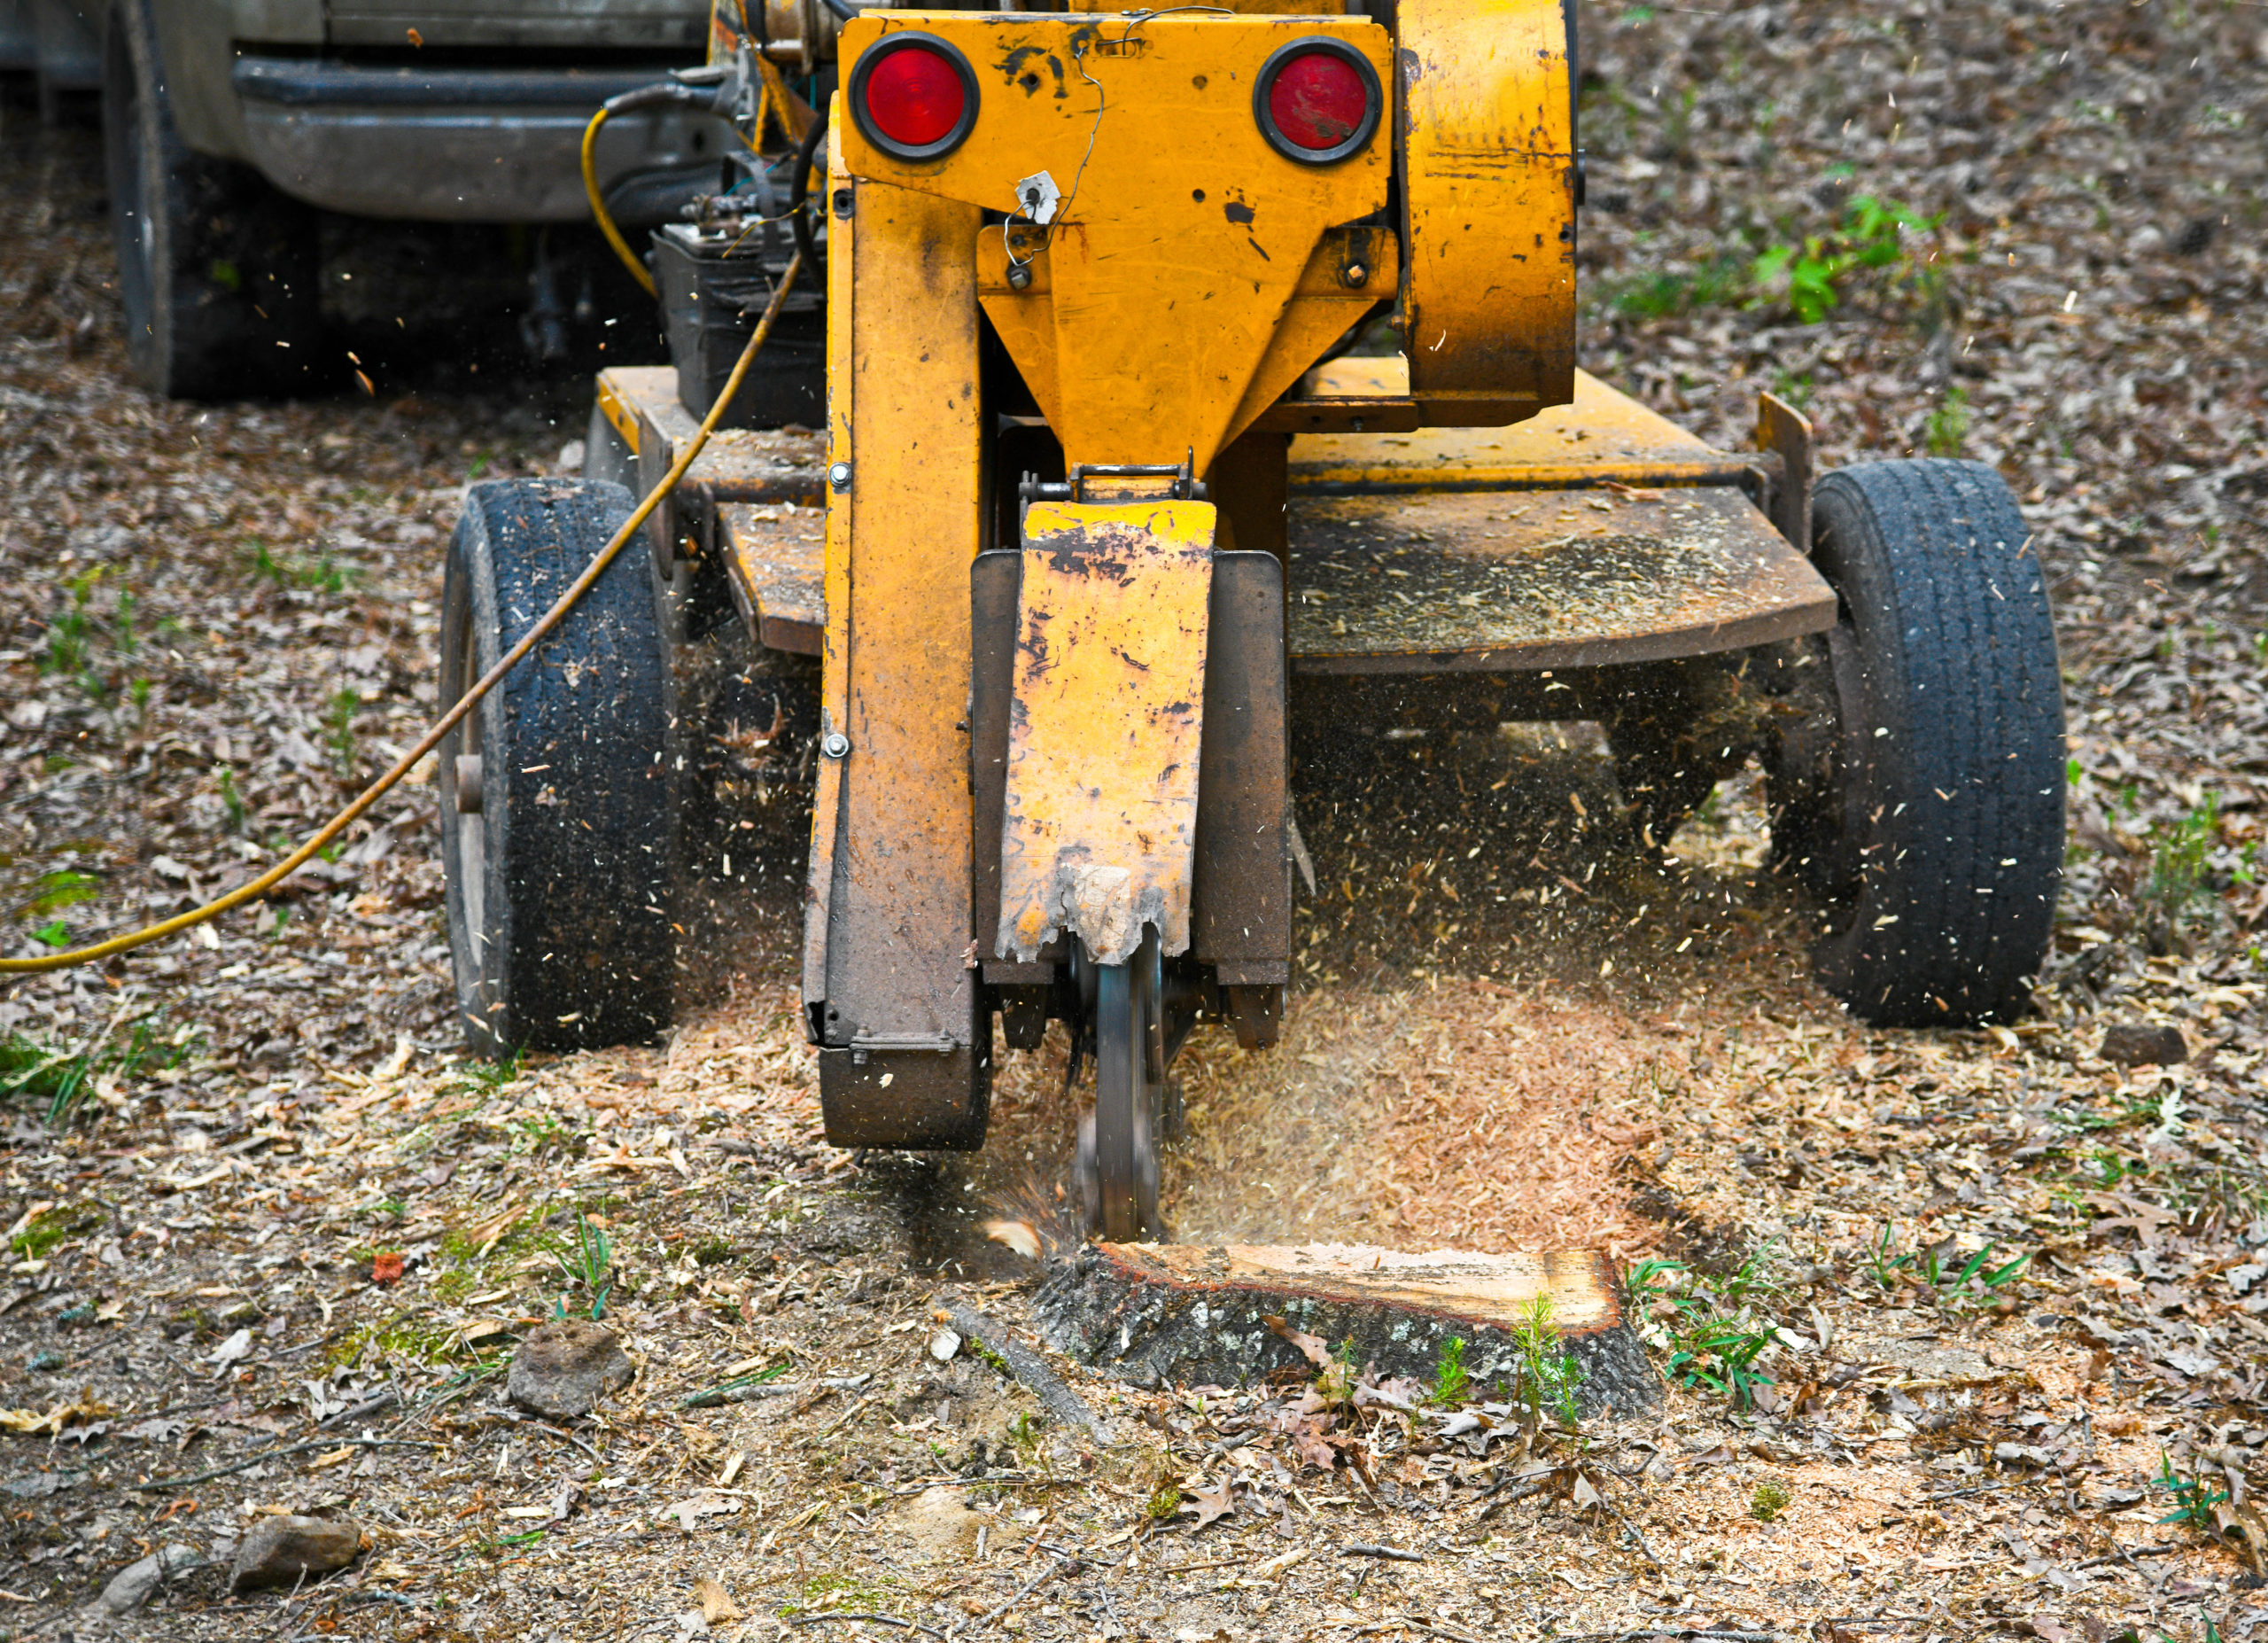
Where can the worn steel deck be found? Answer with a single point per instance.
(1598, 532)
(1464, 581)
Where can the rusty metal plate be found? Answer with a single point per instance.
(1099, 825)
(1603, 436)
(1455, 581)
(776, 560)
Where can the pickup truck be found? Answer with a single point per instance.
(228, 125)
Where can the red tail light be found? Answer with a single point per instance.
(1317, 100)
(913, 96)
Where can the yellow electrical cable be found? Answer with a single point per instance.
(449, 720)
(598, 205)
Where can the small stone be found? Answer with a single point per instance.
(282, 1551)
(565, 1365)
(131, 1586)
(2144, 1044)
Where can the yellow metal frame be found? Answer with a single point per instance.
(1188, 267)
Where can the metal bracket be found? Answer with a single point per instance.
(1785, 431)
(1115, 482)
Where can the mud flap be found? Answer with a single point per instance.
(905, 1097)
(1105, 725)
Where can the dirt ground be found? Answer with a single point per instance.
(271, 1239)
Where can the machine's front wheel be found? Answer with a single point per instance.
(1927, 807)
(1118, 1151)
(556, 822)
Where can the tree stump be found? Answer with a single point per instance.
(1158, 1314)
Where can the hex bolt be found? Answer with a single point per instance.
(1354, 277)
(1019, 276)
(836, 745)
(838, 476)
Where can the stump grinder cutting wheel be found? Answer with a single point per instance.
(1168, 367)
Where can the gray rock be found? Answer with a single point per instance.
(131, 1586)
(565, 1367)
(282, 1551)
(2144, 1044)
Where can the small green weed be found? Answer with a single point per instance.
(1810, 276)
(843, 1591)
(588, 1263)
(2193, 1499)
(1718, 281)
(1165, 1496)
(1545, 1380)
(232, 802)
(321, 575)
(1714, 1334)
(1451, 1384)
(338, 728)
(52, 892)
(2178, 856)
(1769, 1499)
(59, 1081)
(1974, 1282)
(51, 1227)
(1947, 430)
(1026, 1438)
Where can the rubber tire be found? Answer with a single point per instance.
(217, 270)
(1938, 830)
(567, 941)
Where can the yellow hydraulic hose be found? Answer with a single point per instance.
(598, 204)
(449, 720)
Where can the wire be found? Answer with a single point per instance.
(1063, 209)
(449, 720)
(638, 270)
(667, 93)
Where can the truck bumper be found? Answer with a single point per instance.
(467, 144)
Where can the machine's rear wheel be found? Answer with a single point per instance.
(1928, 809)
(557, 824)
(217, 268)
(1118, 1153)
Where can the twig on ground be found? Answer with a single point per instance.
(1404, 1623)
(1364, 1548)
(1061, 1402)
(272, 1454)
(1671, 1631)
(550, 1430)
(880, 1620)
(368, 1406)
(1029, 1586)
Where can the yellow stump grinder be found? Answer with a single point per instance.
(1140, 374)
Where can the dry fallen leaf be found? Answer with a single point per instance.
(1317, 1352)
(716, 1605)
(1215, 1503)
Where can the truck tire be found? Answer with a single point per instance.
(557, 829)
(217, 270)
(1926, 804)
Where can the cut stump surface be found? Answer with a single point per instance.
(1156, 1314)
